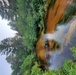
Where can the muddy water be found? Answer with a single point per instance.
(65, 37)
(56, 13)
(58, 35)
(57, 59)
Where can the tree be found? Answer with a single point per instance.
(8, 9)
(15, 51)
(28, 17)
(11, 45)
(69, 67)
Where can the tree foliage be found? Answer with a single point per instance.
(27, 17)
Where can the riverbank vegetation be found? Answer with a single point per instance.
(28, 18)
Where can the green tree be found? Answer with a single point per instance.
(27, 17)
(10, 45)
(7, 11)
(15, 51)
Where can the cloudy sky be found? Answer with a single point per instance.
(5, 32)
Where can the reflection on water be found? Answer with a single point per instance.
(57, 47)
(57, 36)
(61, 30)
(57, 59)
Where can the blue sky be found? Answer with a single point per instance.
(4, 66)
(5, 32)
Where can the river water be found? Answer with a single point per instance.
(57, 59)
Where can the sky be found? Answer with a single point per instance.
(5, 32)
(4, 66)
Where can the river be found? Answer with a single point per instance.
(57, 60)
